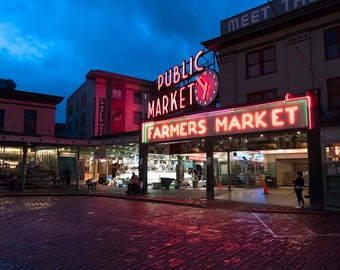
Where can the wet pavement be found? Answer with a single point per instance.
(69, 228)
(247, 199)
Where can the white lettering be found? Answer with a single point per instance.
(174, 76)
(244, 20)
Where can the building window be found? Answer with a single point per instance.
(332, 43)
(2, 120)
(261, 62)
(333, 91)
(262, 95)
(30, 122)
(137, 118)
(116, 93)
(137, 98)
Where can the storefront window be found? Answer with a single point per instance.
(333, 167)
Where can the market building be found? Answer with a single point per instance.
(108, 105)
(26, 118)
(273, 54)
(258, 104)
(32, 156)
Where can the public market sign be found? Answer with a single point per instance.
(172, 94)
(262, 13)
(286, 114)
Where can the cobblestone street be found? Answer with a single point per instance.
(77, 232)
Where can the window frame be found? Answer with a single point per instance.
(137, 98)
(332, 100)
(30, 123)
(262, 95)
(117, 93)
(137, 119)
(329, 44)
(261, 62)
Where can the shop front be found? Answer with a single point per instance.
(240, 146)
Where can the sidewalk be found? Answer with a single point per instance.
(242, 199)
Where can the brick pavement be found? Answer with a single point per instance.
(101, 232)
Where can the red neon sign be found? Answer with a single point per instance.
(288, 114)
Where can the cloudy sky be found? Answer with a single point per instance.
(48, 46)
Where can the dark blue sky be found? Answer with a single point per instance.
(48, 46)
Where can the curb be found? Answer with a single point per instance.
(124, 197)
(287, 211)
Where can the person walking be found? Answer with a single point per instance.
(299, 183)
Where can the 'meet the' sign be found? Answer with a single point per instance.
(281, 115)
(262, 13)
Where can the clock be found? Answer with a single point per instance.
(206, 87)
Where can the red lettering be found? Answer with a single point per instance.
(165, 131)
(192, 127)
(184, 73)
(221, 124)
(275, 118)
(168, 77)
(183, 129)
(158, 108)
(173, 103)
(202, 127)
(177, 75)
(174, 129)
(165, 105)
(174, 76)
(197, 67)
(234, 123)
(247, 120)
(190, 86)
(181, 98)
(258, 121)
(160, 81)
(291, 114)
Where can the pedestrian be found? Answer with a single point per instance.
(68, 176)
(299, 183)
(135, 181)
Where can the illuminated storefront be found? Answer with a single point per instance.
(249, 143)
(238, 145)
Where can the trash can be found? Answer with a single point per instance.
(165, 182)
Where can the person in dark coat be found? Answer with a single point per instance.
(299, 183)
(68, 176)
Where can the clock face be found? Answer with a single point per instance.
(206, 87)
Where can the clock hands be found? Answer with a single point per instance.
(204, 87)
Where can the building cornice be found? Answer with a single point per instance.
(29, 96)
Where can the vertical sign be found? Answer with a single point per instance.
(101, 116)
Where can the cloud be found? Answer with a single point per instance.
(23, 46)
(49, 46)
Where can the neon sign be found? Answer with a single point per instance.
(180, 97)
(288, 114)
(175, 76)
